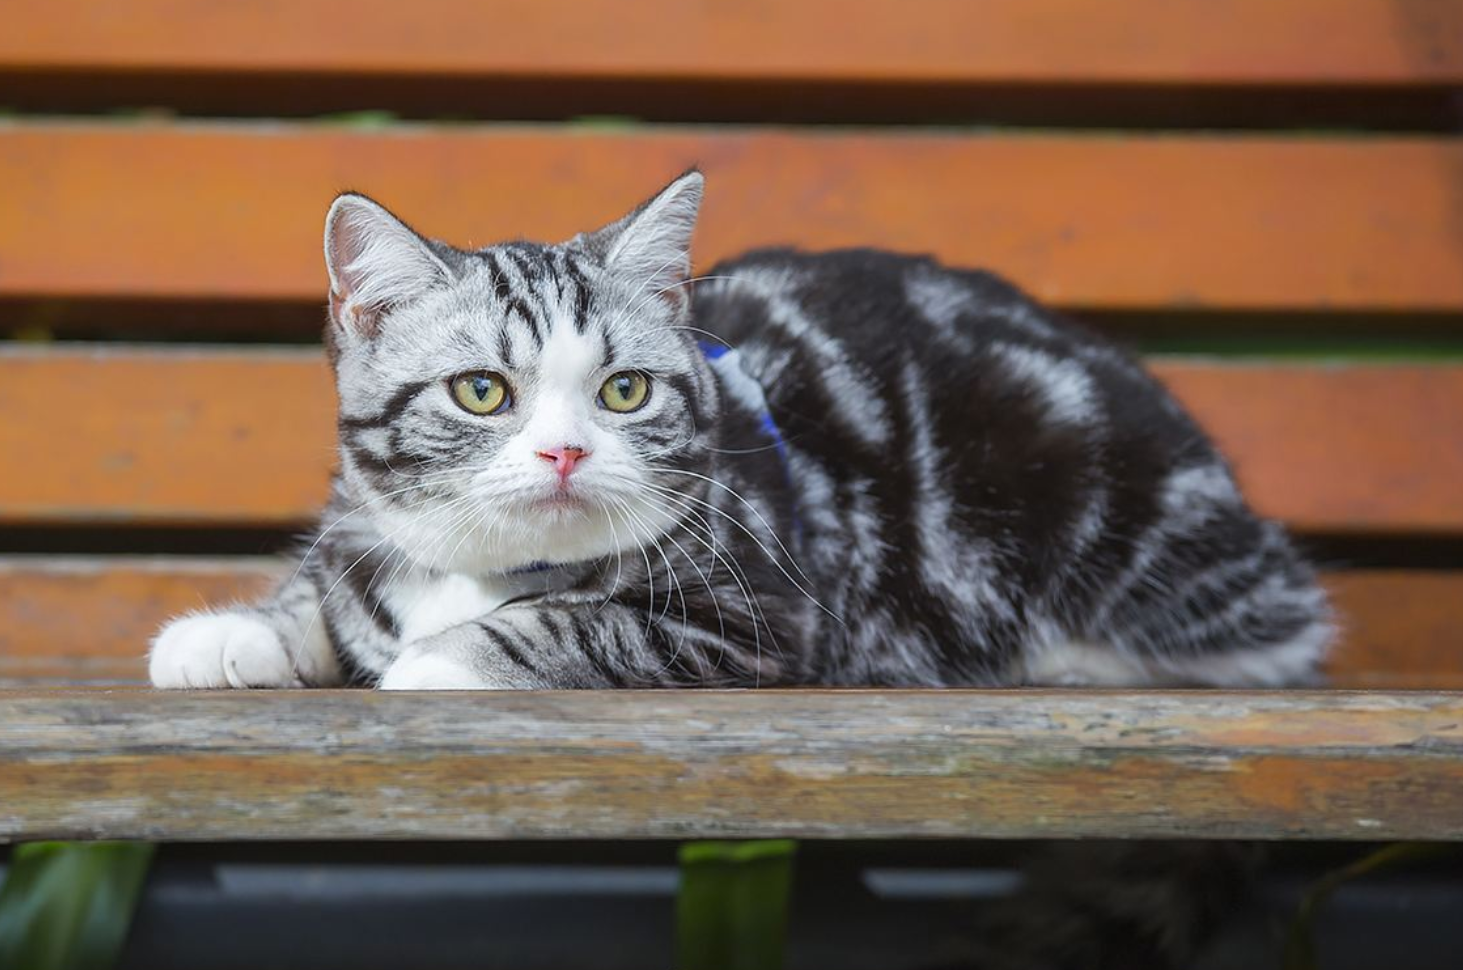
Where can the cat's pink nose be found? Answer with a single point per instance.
(564, 457)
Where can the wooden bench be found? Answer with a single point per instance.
(148, 456)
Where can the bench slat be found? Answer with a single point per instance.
(195, 436)
(698, 764)
(1189, 42)
(74, 620)
(79, 621)
(1117, 223)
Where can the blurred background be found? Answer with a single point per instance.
(1264, 196)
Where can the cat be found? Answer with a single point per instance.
(577, 466)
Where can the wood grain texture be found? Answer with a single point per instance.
(1400, 629)
(950, 41)
(1118, 223)
(1336, 448)
(87, 621)
(1006, 764)
(184, 436)
(209, 436)
(79, 620)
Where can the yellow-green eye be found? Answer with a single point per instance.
(625, 391)
(481, 392)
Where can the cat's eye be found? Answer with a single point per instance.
(481, 392)
(624, 392)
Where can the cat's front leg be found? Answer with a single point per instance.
(281, 642)
(536, 646)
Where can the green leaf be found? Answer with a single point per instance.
(732, 909)
(1300, 942)
(369, 120)
(68, 905)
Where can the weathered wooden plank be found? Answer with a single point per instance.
(1400, 629)
(1320, 446)
(364, 765)
(184, 436)
(208, 436)
(1189, 42)
(78, 620)
(87, 621)
(1117, 223)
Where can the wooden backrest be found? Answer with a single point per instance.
(151, 262)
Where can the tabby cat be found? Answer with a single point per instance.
(574, 465)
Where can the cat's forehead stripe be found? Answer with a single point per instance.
(580, 283)
(505, 347)
(539, 287)
(611, 352)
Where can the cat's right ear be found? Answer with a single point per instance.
(651, 247)
(375, 262)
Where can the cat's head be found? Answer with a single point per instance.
(522, 403)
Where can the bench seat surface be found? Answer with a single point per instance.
(284, 765)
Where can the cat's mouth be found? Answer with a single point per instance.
(561, 501)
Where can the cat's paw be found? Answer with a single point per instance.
(214, 650)
(420, 670)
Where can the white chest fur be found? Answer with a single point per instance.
(425, 605)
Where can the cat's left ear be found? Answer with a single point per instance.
(376, 262)
(652, 245)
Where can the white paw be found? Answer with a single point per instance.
(220, 650)
(414, 670)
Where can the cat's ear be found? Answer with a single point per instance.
(375, 262)
(652, 245)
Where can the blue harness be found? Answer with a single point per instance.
(744, 388)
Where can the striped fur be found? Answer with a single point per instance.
(973, 491)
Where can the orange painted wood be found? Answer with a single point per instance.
(1400, 629)
(196, 436)
(1337, 448)
(948, 41)
(75, 620)
(180, 436)
(234, 212)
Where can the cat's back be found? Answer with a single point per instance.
(869, 300)
(855, 326)
(1009, 476)
(882, 306)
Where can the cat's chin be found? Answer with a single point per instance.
(546, 534)
(579, 529)
(559, 505)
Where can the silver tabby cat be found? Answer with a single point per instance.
(574, 466)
